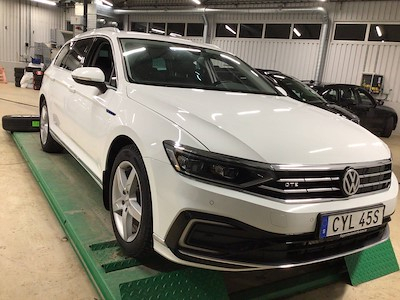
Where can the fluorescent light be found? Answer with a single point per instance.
(378, 31)
(134, 51)
(48, 2)
(197, 2)
(173, 34)
(296, 32)
(107, 3)
(184, 49)
(104, 2)
(230, 29)
(158, 31)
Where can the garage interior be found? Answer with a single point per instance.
(36, 257)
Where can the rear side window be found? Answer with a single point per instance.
(75, 58)
(61, 55)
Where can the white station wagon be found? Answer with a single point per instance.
(205, 162)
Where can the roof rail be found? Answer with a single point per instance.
(106, 29)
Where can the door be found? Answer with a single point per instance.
(88, 111)
(373, 118)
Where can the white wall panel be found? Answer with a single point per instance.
(366, 11)
(297, 58)
(43, 19)
(25, 22)
(347, 61)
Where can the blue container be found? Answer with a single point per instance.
(36, 61)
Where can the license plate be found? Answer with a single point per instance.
(351, 222)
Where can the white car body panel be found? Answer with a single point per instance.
(261, 128)
(197, 112)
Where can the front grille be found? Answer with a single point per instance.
(299, 183)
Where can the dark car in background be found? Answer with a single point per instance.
(302, 92)
(377, 118)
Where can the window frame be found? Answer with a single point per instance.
(295, 37)
(278, 38)
(250, 37)
(350, 24)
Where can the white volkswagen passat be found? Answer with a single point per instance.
(205, 162)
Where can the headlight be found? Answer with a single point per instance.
(217, 168)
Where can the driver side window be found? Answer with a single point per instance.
(365, 98)
(103, 59)
(347, 96)
(330, 95)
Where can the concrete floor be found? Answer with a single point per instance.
(38, 262)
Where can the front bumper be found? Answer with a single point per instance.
(208, 226)
(226, 243)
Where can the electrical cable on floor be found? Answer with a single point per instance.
(16, 102)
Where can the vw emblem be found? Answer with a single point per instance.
(351, 182)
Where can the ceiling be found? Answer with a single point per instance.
(118, 4)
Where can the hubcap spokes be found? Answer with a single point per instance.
(126, 201)
(44, 125)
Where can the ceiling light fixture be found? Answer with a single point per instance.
(198, 2)
(107, 3)
(104, 2)
(48, 2)
(159, 31)
(296, 32)
(227, 27)
(378, 31)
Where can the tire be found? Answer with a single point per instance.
(46, 140)
(387, 132)
(19, 72)
(21, 123)
(130, 203)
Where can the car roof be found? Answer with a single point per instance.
(115, 32)
(269, 71)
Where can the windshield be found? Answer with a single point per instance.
(176, 65)
(298, 90)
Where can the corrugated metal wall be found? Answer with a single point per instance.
(22, 21)
(296, 57)
(346, 61)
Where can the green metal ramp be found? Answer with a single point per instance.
(77, 203)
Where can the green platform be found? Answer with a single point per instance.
(77, 203)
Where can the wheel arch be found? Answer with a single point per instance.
(117, 144)
(41, 100)
(395, 121)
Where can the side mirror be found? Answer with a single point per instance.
(281, 90)
(90, 76)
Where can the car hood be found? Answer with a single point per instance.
(264, 128)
